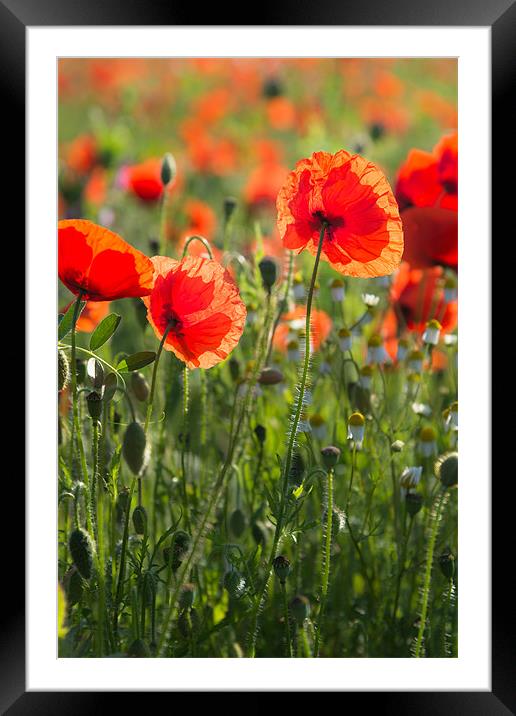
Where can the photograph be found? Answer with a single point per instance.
(257, 358)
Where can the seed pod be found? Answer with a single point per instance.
(139, 386)
(63, 370)
(94, 403)
(133, 447)
(446, 469)
(234, 583)
(186, 596)
(168, 169)
(300, 609)
(237, 522)
(178, 549)
(139, 649)
(139, 520)
(413, 503)
(269, 272)
(81, 549)
(330, 456)
(282, 568)
(447, 564)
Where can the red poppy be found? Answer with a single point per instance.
(264, 183)
(294, 321)
(144, 180)
(200, 217)
(81, 154)
(430, 237)
(430, 178)
(417, 296)
(100, 264)
(364, 234)
(202, 302)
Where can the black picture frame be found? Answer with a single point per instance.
(500, 16)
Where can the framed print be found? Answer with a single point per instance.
(242, 458)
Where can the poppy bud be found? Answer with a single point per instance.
(234, 583)
(94, 402)
(237, 522)
(270, 376)
(282, 568)
(168, 169)
(178, 549)
(413, 503)
(188, 622)
(95, 373)
(260, 433)
(186, 596)
(139, 649)
(330, 456)
(81, 549)
(74, 586)
(63, 370)
(122, 503)
(139, 386)
(376, 131)
(269, 272)
(153, 250)
(133, 447)
(300, 609)
(259, 532)
(230, 204)
(446, 469)
(447, 564)
(139, 520)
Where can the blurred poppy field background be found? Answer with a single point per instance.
(257, 358)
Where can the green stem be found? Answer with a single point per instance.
(326, 558)
(434, 527)
(121, 571)
(94, 476)
(154, 374)
(74, 381)
(184, 443)
(287, 619)
(203, 242)
(290, 449)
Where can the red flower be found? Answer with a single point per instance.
(100, 264)
(144, 180)
(364, 235)
(417, 297)
(202, 302)
(430, 237)
(295, 321)
(430, 178)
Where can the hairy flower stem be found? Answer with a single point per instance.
(286, 616)
(326, 558)
(290, 451)
(184, 445)
(75, 415)
(163, 223)
(435, 519)
(282, 307)
(401, 568)
(216, 493)
(94, 476)
(123, 553)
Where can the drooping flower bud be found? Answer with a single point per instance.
(269, 272)
(139, 386)
(237, 522)
(447, 563)
(168, 169)
(300, 608)
(413, 502)
(270, 376)
(94, 402)
(134, 447)
(234, 583)
(230, 204)
(140, 520)
(81, 549)
(260, 433)
(446, 469)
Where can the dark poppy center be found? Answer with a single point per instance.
(330, 223)
(171, 320)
